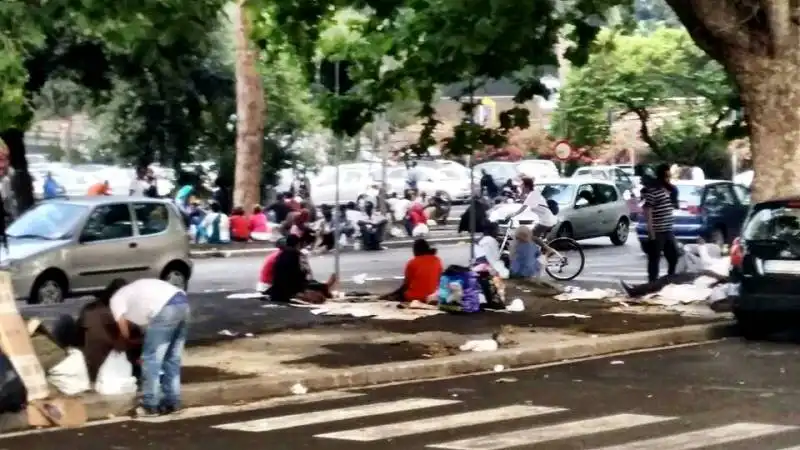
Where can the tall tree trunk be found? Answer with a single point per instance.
(250, 111)
(771, 96)
(758, 42)
(21, 182)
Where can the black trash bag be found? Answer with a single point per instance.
(13, 394)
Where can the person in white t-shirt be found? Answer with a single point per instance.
(536, 203)
(162, 311)
(139, 182)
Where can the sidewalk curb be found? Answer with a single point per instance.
(221, 253)
(260, 388)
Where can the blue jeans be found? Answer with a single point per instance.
(164, 340)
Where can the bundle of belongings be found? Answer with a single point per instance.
(701, 276)
(465, 290)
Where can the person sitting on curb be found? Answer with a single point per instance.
(292, 277)
(267, 269)
(524, 254)
(162, 310)
(240, 225)
(217, 226)
(421, 277)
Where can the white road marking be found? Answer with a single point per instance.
(428, 425)
(332, 415)
(705, 438)
(538, 435)
(205, 411)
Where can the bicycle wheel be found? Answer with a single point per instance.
(567, 253)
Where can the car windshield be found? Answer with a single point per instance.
(593, 173)
(781, 222)
(450, 174)
(560, 193)
(48, 221)
(501, 171)
(689, 195)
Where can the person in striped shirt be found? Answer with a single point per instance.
(660, 199)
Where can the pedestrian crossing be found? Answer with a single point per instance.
(532, 425)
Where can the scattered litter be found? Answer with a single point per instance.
(378, 310)
(271, 306)
(249, 335)
(398, 278)
(245, 295)
(516, 305)
(526, 291)
(574, 294)
(617, 362)
(298, 389)
(373, 278)
(228, 333)
(360, 278)
(567, 314)
(479, 345)
(499, 368)
(506, 380)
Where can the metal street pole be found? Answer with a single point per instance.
(337, 154)
(472, 215)
(384, 161)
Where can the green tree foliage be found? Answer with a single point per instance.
(688, 142)
(423, 44)
(637, 74)
(90, 43)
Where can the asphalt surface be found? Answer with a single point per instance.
(214, 279)
(728, 395)
(605, 264)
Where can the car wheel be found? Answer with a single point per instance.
(49, 289)
(718, 237)
(621, 232)
(752, 326)
(565, 231)
(176, 274)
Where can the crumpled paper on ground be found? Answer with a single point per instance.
(377, 310)
(573, 294)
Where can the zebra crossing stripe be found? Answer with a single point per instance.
(538, 435)
(332, 415)
(705, 438)
(438, 423)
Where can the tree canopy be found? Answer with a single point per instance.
(637, 74)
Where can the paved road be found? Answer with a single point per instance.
(729, 395)
(215, 278)
(605, 263)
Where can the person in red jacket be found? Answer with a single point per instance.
(240, 225)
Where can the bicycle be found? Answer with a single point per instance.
(554, 269)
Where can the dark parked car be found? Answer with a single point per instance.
(765, 268)
(710, 209)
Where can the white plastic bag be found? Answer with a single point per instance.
(115, 376)
(397, 232)
(70, 376)
(420, 230)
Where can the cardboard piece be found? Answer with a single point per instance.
(15, 342)
(59, 412)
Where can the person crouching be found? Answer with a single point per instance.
(162, 311)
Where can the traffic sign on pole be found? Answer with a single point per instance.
(563, 150)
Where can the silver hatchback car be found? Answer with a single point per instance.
(77, 246)
(587, 209)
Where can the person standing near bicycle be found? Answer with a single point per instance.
(536, 203)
